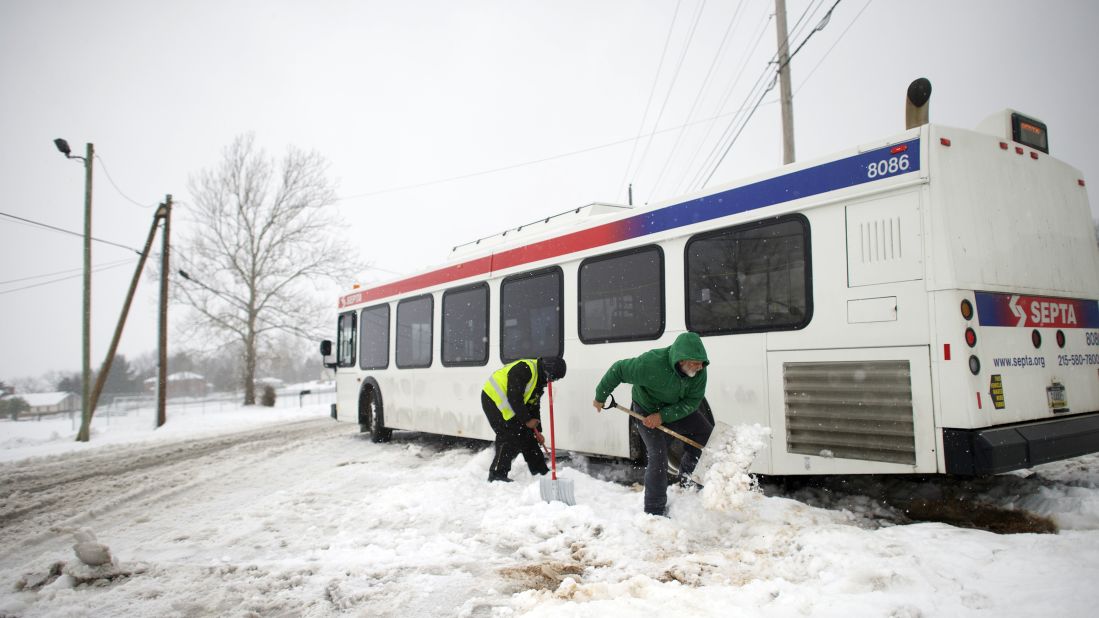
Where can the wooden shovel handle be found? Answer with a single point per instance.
(639, 417)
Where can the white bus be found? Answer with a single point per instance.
(925, 303)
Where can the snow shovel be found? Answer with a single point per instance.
(552, 488)
(721, 432)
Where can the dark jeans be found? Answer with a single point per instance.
(694, 426)
(512, 438)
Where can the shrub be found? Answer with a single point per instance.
(13, 406)
(268, 396)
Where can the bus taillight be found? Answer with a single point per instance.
(1060, 338)
(970, 337)
(967, 309)
(1036, 338)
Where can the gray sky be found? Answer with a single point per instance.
(405, 94)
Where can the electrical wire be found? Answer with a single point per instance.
(820, 26)
(103, 164)
(724, 100)
(671, 86)
(63, 272)
(836, 42)
(505, 168)
(60, 279)
(652, 91)
(63, 230)
(740, 118)
(698, 96)
(56, 229)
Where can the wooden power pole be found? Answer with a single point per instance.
(162, 338)
(786, 97)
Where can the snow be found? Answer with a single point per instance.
(285, 512)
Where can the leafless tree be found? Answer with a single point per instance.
(261, 245)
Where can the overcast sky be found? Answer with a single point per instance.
(445, 121)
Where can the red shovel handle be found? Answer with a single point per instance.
(553, 443)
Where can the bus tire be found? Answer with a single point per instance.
(372, 414)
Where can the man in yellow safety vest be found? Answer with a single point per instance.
(511, 399)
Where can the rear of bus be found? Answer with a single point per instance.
(1013, 280)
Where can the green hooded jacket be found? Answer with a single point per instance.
(658, 385)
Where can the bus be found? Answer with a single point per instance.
(922, 304)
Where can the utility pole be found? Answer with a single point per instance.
(86, 398)
(86, 375)
(162, 375)
(105, 369)
(785, 95)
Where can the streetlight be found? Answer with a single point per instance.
(85, 400)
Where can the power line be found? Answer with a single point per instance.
(730, 130)
(820, 26)
(505, 168)
(652, 91)
(836, 42)
(59, 279)
(103, 165)
(726, 95)
(698, 96)
(63, 272)
(671, 86)
(64, 231)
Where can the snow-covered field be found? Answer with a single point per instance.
(284, 512)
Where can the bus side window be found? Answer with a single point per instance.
(414, 333)
(374, 337)
(345, 343)
(465, 326)
(750, 278)
(621, 296)
(531, 316)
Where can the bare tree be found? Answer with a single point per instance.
(261, 241)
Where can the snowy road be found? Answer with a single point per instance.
(61, 492)
(310, 518)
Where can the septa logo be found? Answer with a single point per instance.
(1036, 311)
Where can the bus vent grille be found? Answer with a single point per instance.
(850, 410)
(880, 240)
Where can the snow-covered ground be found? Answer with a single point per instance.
(284, 512)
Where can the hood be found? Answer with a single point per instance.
(687, 346)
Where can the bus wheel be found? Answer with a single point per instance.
(365, 405)
(378, 431)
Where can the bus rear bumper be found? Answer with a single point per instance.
(993, 450)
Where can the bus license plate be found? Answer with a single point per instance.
(1056, 395)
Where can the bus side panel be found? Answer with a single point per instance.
(348, 382)
(736, 385)
(445, 401)
(852, 411)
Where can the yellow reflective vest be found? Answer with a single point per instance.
(497, 386)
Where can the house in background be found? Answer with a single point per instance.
(181, 384)
(50, 403)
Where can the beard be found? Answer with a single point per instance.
(690, 373)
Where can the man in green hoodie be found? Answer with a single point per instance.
(668, 386)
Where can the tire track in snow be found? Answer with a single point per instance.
(41, 497)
